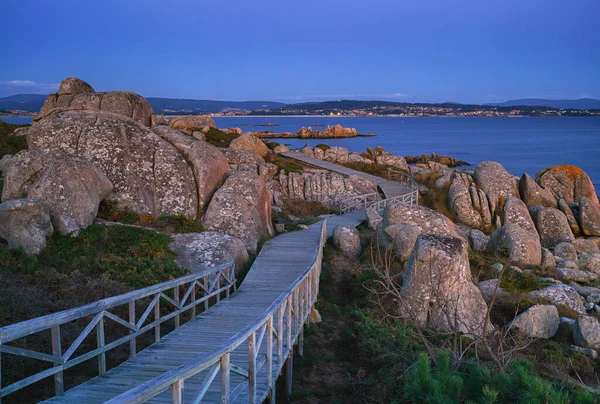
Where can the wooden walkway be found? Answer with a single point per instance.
(235, 350)
(390, 188)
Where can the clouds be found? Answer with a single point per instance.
(11, 87)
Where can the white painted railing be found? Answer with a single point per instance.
(186, 293)
(281, 325)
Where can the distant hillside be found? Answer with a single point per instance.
(34, 102)
(23, 102)
(178, 105)
(582, 103)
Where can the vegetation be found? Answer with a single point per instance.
(217, 137)
(286, 164)
(359, 354)
(378, 170)
(11, 144)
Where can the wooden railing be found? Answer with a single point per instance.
(279, 326)
(352, 203)
(186, 293)
(411, 198)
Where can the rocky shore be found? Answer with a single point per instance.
(330, 132)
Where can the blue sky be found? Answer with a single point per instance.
(292, 51)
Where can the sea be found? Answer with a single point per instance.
(520, 144)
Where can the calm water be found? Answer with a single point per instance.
(526, 144)
(521, 144)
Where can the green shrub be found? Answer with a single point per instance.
(130, 255)
(109, 210)
(424, 385)
(11, 144)
(323, 146)
(217, 137)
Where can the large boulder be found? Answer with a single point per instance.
(148, 174)
(426, 220)
(403, 238)
(347, 240)
(67, 184)
(241, 208)
(25, 223)
(522, 247)
(241, 156)
(553, 227)
(336, 154)
(586, 332)
(566, 251)
(200, 251)
(210, 169)
(438, 290)
(568, 212)
(74, 86)
(539, 321)
(250, 143)
(393, 161)
(469, 204)
(76, 94)
(493, 179)
(589, 262)
(561, 295)
(533, 194)
(589, 216)
(568, 182)
(516, 213)
(193, 122)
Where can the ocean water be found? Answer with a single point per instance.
(527, 144)
(522, 145)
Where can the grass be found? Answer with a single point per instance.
(179, 224)
(378, 170)
(286, 164)
(437, 199)
(219, 138)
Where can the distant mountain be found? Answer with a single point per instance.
(582, 103)
(179, 105)
(23, 102)
(34, 102)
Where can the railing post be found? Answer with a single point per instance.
(100, 340)
(280, 335)
(269, 364)
(207, 293)
(59, 387)
(178, 392)
(225, 379)
(252, 368)
(176, 299)
(218, 286)
(193, 298)
(132, 342)
(156, 317)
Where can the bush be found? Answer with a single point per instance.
(11, 144)
(217, 137)
(323, 146)
(130, 255)
(109, 210)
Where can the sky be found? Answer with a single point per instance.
(311, 50)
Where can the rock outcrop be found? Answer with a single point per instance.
(539, 321)
(337, 131)
(586, 332)
(148, 174)
(250, 143)
(242, 209)
(438, 290)
(567, 182)
(564, 295)
(493, 179)
(66, 184)
(25, 223)
(469, 204)
(534, 195)
(75, 94)
(199, 251)
(589, 216)
(517, 239)
(201, 123)
(347, 240)
(553, 227)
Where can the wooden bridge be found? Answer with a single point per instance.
(234, 346)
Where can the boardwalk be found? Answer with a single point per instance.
(390, 188)
(233, 351)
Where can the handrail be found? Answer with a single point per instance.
(351, 203)
(207, 282)
(301, 294)
(403, 178)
